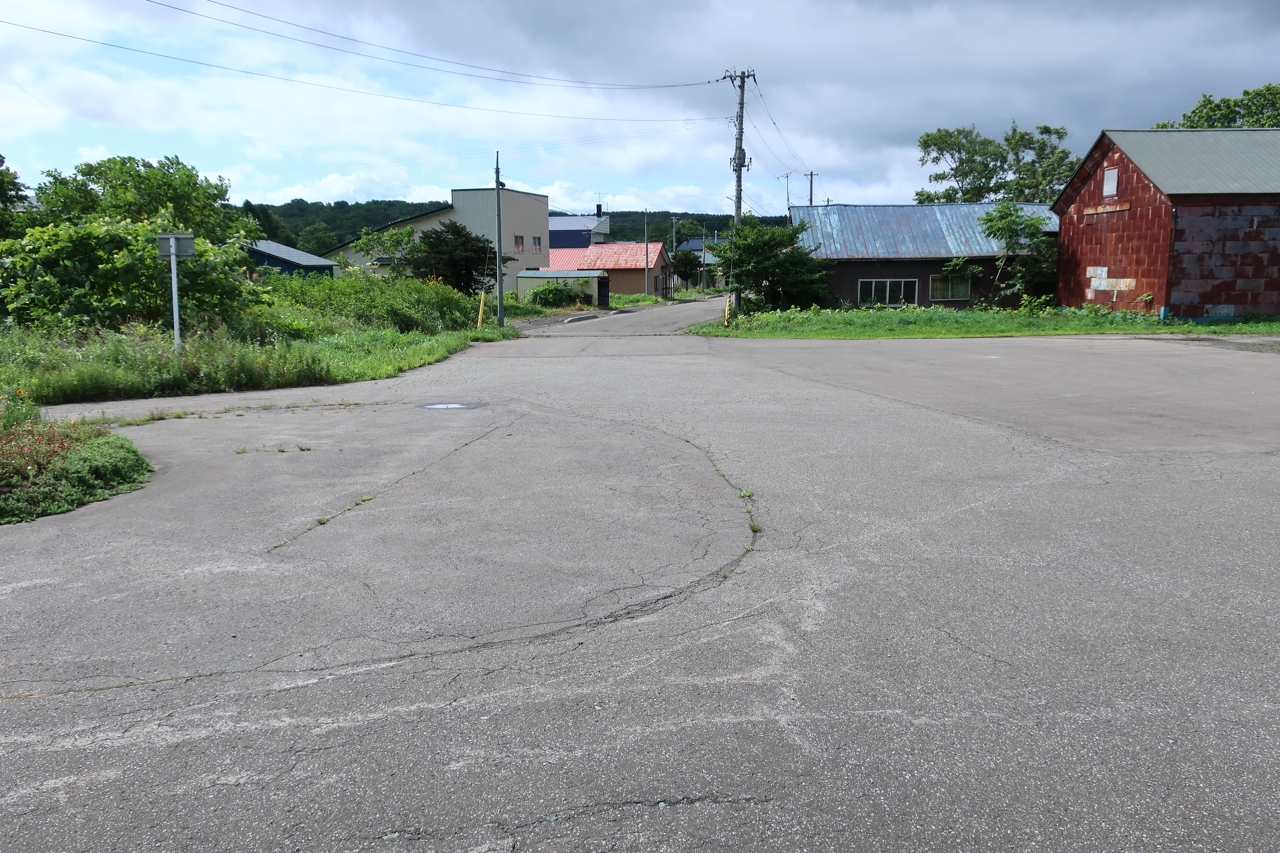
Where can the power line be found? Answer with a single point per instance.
(450, 61)
(518, 148)
(760, 97)
(331, 87)
(565, 85)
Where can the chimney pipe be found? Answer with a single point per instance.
(599, 211)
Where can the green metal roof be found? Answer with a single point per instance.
(1205, 162)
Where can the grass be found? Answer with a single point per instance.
(140, 362)
(936, 322)
(629, 300)
(53, 467)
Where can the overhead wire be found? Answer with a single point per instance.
(531, 82)
(332, 88)
(453, 62)
(509, 149)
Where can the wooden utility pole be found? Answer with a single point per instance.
(811, 174)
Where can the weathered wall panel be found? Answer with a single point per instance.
(1114, 250)
(1226, 259)
(846, 275)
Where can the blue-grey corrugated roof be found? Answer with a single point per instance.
(697, 244)
(561, 274)
(290, 254)
(577, 223)
(902, 231)
(1205, 162)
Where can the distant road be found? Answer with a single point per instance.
(663, 320)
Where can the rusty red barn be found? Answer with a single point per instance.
(1185, 222)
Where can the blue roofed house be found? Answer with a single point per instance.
(577, 232)
(268, 253)
(893, 254)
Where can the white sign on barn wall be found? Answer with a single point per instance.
(1098, 280)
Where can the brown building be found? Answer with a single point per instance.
(894, 254)
(1184, 222)
(625, 263)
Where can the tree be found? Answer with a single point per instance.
(450, 252)
(686, 264)
(317, 238)
(688, 229)
(1028, 266)
(102, 271)
(769, 264)
(1023, 166)
(456, 256)
(138, 190)
(1254, 108)
(12, 194)
(273, 227)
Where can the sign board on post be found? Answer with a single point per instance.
(174, 246)
(186, 245)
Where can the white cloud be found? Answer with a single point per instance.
(851, 85)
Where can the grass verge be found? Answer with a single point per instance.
(51, 468)
(629, 300)
(938, 322)
(140, 362)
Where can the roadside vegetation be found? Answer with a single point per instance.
(1036, 317)
(85, 306)
(53, 467)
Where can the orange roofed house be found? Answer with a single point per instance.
(624, 262)
(1182, 222)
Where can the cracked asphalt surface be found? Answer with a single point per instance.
(1009, 594)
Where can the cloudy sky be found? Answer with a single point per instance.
(845, 88)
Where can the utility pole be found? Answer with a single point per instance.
(646, 251)
(811, 189)
(497, 194)
(740, 161)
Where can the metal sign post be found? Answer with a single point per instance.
(174, 246)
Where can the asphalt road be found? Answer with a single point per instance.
(1013, 594)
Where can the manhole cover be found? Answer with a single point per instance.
(446, 406)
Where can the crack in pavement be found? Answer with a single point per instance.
(396, 482)
(575, 813)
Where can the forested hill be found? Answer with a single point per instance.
(627, 225)
(347, 218)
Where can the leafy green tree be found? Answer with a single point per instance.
(1024, 166)
(1028, 266)
(1037, 166)
(452, 253)
(385, 248)
(972, 163)
(317, 238)
(134, 189)
(768, 265)
(273, 227)
(686, 264)
(1254, 108)
(688, 229)
(103, 271)
(12, 194)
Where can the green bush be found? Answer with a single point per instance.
(553, 294)
(404, 304)
(102, 467)
(107, 272)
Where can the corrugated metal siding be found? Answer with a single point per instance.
(902, 231)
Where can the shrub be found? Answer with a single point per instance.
(103, 466)
(106, 272)
(553, 294)
(404, 304)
